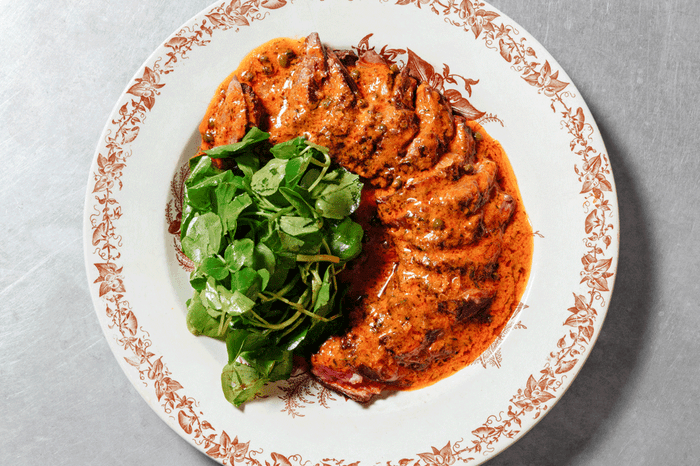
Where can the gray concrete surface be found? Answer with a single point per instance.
(65, 401)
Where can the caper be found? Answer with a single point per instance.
(267, 69)
(247, 76)
(468, 168)
(209, 136)
(478, 136)
(263, 59)
(394, 68)
(355, 75)
(211, 122)
(283, 60)
(437, 224)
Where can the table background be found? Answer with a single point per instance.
(65, 401)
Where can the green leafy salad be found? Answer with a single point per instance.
(268, 237)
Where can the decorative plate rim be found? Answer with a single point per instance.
(119, 321)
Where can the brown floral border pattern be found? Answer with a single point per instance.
(533, 399)
(492, 355)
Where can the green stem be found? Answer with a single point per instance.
(323, 173)
(279, 326)
(318, 258)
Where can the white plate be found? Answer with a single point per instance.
(139, 287)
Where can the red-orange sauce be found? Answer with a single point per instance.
(370, 276)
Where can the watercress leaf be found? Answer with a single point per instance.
(346, 239)
(235, 340)
(322, 149)
(289, 243)
(239, 253)
(211, 181)
(341, 178)
(247, 281)
(200, 168)
(229, 212)
(227, 189)
(288, 149)
(266, 180)
(199, 322)
(263, 258)
(297, 201)
(279, 276)
(199, 195)
(198, 199)
(188, 214)
(215, 267)
(256, 340)
(298, 226)
(269, 236)
(283, 367)
(312, 243)
(265, 277)
(324, 294)
(212, 191)
(296, 168)
(260, 362)
(319, 330)
(239, 341)
(252, 137)
(248, 164)
(296, 338)
(197, 279)
(210, 298)
(309, 178)
(337, 201)
(240, 382)
(271, 362)
(203, 236)
(276, 201)
(235, 303)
